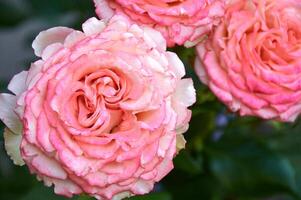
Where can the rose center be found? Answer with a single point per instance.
(98, 96)
(107, 84)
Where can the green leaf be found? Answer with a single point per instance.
(15, 181)
(184, 186)
(39, 191)
(289, 146)
(246, 167)
(153, 196)
(42, 192)
(7, 8)
(184, 161)
(84, 197)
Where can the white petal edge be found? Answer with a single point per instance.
(151, 34)
(73, 38)
(122, 195)
(142, 187)
(182, 129)
(185, 92)
(176, 64)
(51, 50)
(7, 113)
(103, 9)
(18, 83)
(200, 71)
(34, 73)
(93, 26)
(48, 37)
(12, 145)
(61, 187)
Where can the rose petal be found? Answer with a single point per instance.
(12, 144)
(48, 37)
(73, 38)
(17, 84)
(51, 49)
(122, 195)
(156, 37)
(142, 187)
(7, 114)
(48, 167)
(106, 12)
(200, 71)
(185, 92)
(176, 64)
(93, 26)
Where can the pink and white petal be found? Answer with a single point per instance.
(7, 113)
(93, 26)
(154, 38)
(142, 187)
(200, 71)
(73, 38)
(51, 50)
(120, 23)
(175, 64)
(149, 153)
(139, 104)
(28, 150)
(103, 10)
(182, 129)
(185, 92)
(50, 36)
(164, 168)
(100, 152)
(164, 144)
(62, 187)
(34, 73)
(48, 167)
(291, 114)
(153, 64)
(266, 113)
(12, 144)
(43, 130)
(223, 95)
(122, 195)
(17, 84)
(152, 119)
(99, 179)
(19, 109)
(66, 188)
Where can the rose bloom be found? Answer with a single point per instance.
(252, 61)
(102, 112)
(180, 21)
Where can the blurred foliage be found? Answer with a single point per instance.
(49, 9)
(227, 157)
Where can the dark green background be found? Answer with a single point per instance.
(227, 157)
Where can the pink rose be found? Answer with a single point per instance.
(102, 111)
(252, 61)
(180, 21)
